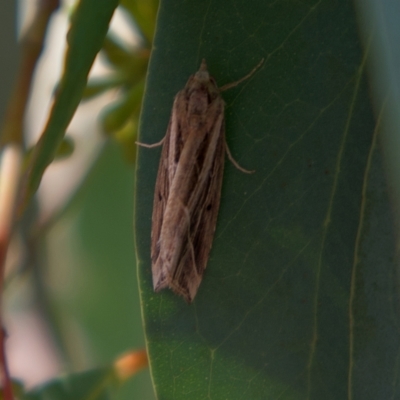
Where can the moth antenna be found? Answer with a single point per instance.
(233, 84)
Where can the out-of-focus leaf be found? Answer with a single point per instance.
(127, 136)
(116, 54)
(85, 38)
(97, 86)
(89, 385)
(65, 149)
(136, 70)
(144, 12)
(102, 295)
(116, 116)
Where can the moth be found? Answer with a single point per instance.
(188, 187)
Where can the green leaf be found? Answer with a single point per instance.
(144, 13)
(117, 115)
(85, 38)
(299, 298)
(97, 86)
(116, 54)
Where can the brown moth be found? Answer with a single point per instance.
(188, 186)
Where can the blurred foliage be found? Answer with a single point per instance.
(128, 73)
(89, 385)
(65, 149)
(103, 300)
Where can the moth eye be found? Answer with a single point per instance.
(208, 208)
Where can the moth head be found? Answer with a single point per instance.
(202, 74)
(202, 82)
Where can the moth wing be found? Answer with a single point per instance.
(159, 204)
(166, 170)
(203, 212)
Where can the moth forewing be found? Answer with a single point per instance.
(188, 186)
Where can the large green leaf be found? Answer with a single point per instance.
(298, 299)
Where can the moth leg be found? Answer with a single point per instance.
(233, 84)
(150, 146)
(235, 163)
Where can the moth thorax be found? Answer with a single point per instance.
(202, 76)
(198, 102)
